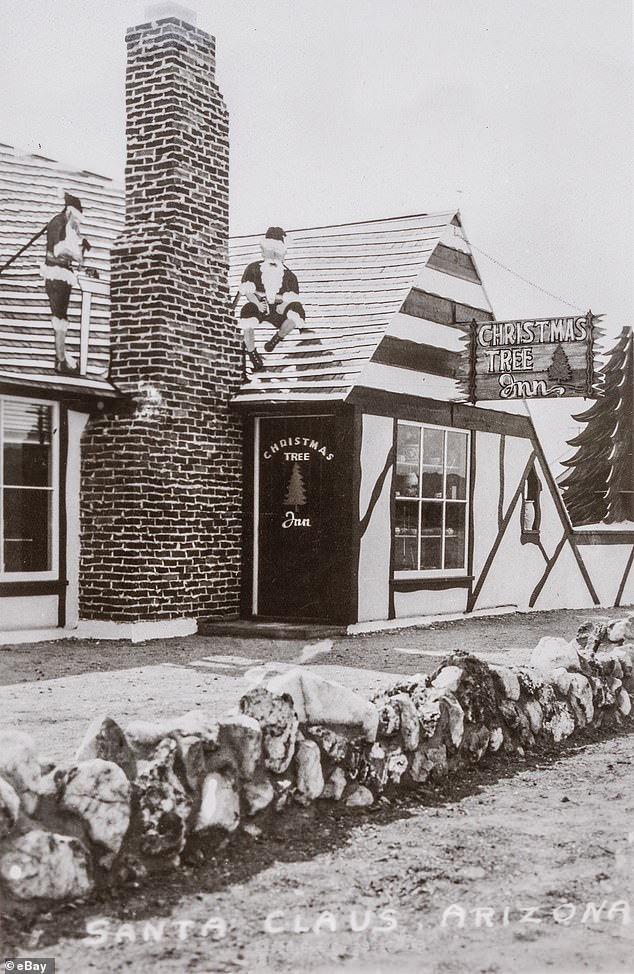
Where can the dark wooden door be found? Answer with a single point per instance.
(300, 511)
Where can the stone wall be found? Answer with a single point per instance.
(161, 476)
(135, 801)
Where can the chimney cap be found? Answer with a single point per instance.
(167, 8)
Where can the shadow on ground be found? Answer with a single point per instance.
(295, 835)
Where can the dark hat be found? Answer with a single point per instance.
(275, 233)
(73, 201)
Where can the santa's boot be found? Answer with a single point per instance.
(272, 342)
(248, 336)
(65, 364)
(256, 359)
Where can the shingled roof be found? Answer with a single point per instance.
(380, 299)
(387, 301)
(31, 192)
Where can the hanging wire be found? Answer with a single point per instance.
(499, 263)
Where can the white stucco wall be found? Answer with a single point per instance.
(430, 602)
(376, 542)
(28, 612)
(606, 565)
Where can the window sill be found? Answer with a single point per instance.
(416, 581)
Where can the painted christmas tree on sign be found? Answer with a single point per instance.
(296, 492)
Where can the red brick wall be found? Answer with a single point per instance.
(161, 479)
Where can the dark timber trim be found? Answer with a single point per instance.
(380, 402)
(550, 564)
(472, 485)
(603, 537)
(377, 490)
(248, 489)
(62, 517)
(355, 541)
(628, 568)
(456, 263)
(417, 356)
(434, 307)
(430, 584)
(391, 612)
(17, 589)
(501, 472)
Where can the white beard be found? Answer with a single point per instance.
(272, 275)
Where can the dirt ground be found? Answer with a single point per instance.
(521, 865)
(68, 657)
(525, 866)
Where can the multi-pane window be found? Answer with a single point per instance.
(431, 499)
(26, 487)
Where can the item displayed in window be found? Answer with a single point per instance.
(431, 499)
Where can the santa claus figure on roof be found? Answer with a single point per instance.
(65, 249)
(272, 295)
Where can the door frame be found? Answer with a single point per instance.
(255, 511)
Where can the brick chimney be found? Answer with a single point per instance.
(161, 478)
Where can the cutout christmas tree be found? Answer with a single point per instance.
(599, 485)
(295, 492)
(560, 370)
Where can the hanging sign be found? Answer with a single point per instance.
(530, 358)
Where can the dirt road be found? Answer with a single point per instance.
(531, 872)
(521, 866)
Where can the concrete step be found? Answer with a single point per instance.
(247, 629)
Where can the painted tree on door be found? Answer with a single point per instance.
(599, 485)
(296, 492)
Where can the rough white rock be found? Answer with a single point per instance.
(163, 802)
(427, 759)
(623, 702)
(535, 716)
(395, 766)
(258, 794)
(436, 702)
(361, 797)
(104, 739)
(20, 767)
(144, 735)
(552, 651)
(618, 630)
(309, 775)
(509, 681)
(9, 808)
(561, 724)
(449, 678)
(319, 701)
(219, 806)
(44, 864)
(561, 679)
(242, 736)
(99, 792)
(496, 740)
(580, 692)
(335, 786)
(278, 722)
(409, 723)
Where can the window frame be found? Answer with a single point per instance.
(51, 574)
(422, 573)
